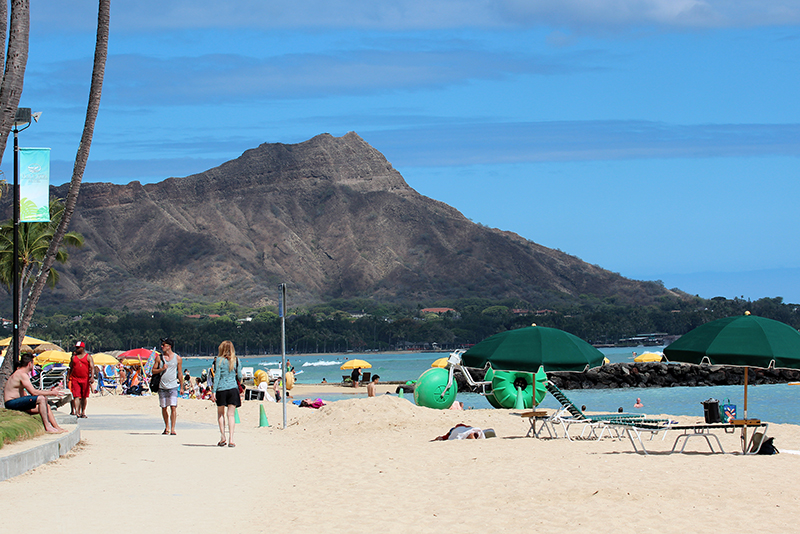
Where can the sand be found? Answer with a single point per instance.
(369, 465)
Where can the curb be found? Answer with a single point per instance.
(22, 462)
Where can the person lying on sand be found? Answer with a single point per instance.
(35, 402)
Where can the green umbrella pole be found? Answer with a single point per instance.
(744, 427)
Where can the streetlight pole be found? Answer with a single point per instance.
(23, 117)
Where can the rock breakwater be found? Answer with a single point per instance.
(657, 374)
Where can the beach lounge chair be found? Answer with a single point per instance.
(592, 426)
(635, 430)
(247, 373)
(52, 375)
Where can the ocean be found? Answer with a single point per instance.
(775, 403)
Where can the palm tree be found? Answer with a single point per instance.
(33, 243)
(18, 33)
(16, 29)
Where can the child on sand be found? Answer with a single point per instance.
(371, 386)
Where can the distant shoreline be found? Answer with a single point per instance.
(326, 354)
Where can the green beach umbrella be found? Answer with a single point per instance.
(744, 340)
(532, 348)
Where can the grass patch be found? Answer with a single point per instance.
(17, 426)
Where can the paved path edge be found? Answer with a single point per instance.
(22, 462)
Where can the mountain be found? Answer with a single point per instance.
(330, 217)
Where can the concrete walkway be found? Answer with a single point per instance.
(21, 457)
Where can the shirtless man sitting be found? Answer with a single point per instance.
(35, 402)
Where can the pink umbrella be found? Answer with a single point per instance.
(136, 353)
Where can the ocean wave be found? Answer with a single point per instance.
(321, 363)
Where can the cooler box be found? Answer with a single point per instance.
(711, 409)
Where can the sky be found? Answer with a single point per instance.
(659, 139)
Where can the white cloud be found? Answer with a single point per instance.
(134, 80)
(560, 141)
(577, 15)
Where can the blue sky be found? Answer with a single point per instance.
(655, 138)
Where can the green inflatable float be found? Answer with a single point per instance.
(430, 386)
(505, 384)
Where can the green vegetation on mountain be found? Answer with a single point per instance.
(363, 324)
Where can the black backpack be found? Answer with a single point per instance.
(767, 447)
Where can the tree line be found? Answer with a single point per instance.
(360, 325)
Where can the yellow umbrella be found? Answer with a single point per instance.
(101, 358)
(441, 362)
(648, 357)
(132, 362)
(47, 346)
(52, 356)
(356, 364)
(25, 341)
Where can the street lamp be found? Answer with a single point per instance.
(22, 118)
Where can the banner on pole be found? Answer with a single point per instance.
(34, 184)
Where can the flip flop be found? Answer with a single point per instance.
(173, 433)
(221, 443)
(165, 433)
(231, 444)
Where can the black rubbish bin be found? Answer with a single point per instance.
(711, 408)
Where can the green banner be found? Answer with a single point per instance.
(34, 184)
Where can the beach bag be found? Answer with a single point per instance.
(728, 412)
(155, 381)
(767, 447)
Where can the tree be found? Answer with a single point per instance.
(17, 58)
(33, 243)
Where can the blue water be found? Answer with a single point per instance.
(775, 403)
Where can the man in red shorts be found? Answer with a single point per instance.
(80, 378)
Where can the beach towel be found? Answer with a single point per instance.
(462, 431)
(308, 403)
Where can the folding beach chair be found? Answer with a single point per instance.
(593, 427)
(108, 379)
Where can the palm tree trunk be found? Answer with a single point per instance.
(81, 158)
(15, 63)
(18, 32)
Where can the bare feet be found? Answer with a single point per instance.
(56, 431)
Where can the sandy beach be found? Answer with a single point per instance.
(369, 465)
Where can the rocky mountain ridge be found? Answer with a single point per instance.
(330, 217)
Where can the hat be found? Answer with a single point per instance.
(80, 344)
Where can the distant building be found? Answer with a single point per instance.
(441, 311)
(437, 310)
